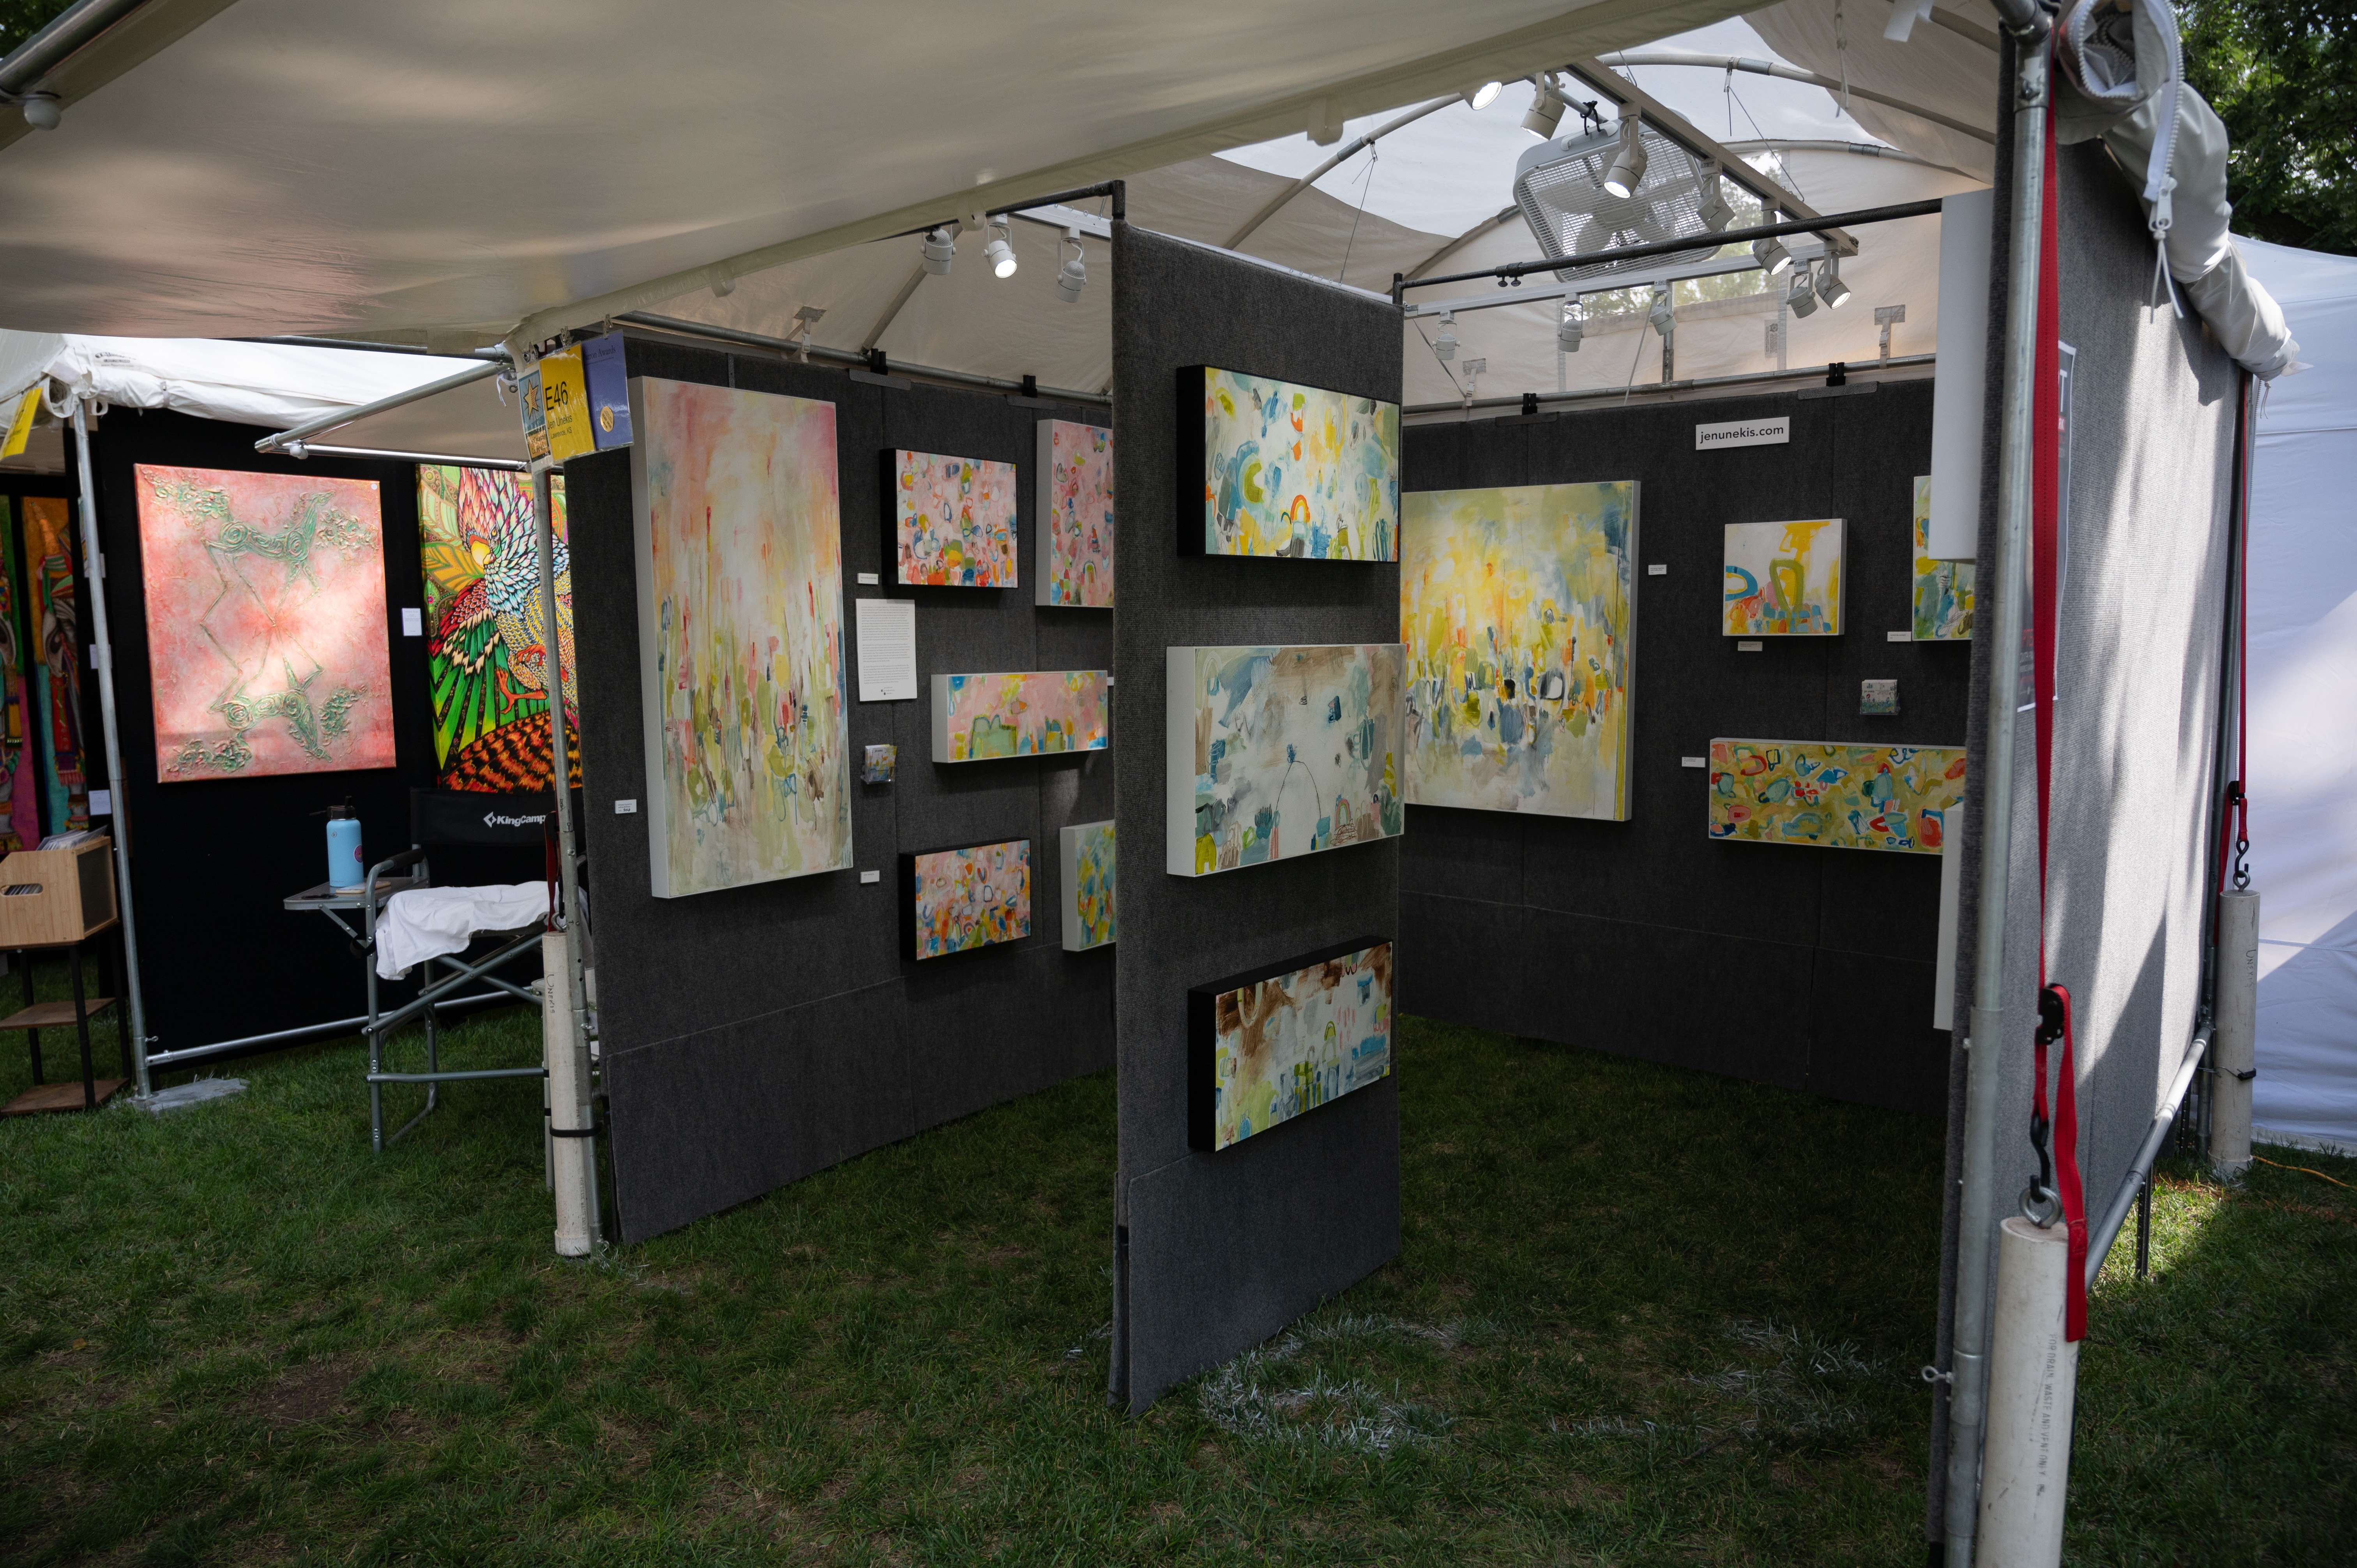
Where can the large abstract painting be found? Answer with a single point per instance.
(1088, 886)
(53, 665)
(952, 521)
(1835, 796)
(741, 635)
(1277, 752)
(1264, 1046)
(1285, 470)
(266, 646)
(1943, 589)
(1784, 579)
(960, 899)
(1519, 612)
(1074, 508)
(486, 635)
(1018, 713)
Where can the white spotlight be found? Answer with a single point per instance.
(41, 111)
(1772, 255)
(1628, 170)
(1830, 287)
(1567, 331)
(1802, 300)
(1000, 252)
(1545, 111)
(1446, 344)
(1075, 275)
(1663, 318)
(1714, 212)
(1481, 97)
(941, 250)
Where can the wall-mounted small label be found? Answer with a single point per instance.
(413, 622)
(1749, 647)
(1657, 570)
(102, 803)
(1776, 432)
(867, 876)
(1897, 637)
(626, 808)
(867, 579)
(1694, 762)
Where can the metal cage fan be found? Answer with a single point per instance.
(1561, 187)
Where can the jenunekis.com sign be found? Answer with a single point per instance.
(1774, 431)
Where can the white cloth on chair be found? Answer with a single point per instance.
(419, 923)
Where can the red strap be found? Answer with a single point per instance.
(2045, 473)
(2234, 827)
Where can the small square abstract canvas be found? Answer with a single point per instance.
(1073, 510)
(1943, 589)
(1835, 796)
(878, 763)
(1878, 699)
(1031, 713)
(1273, 752)
(266, 641)
(961, 899)
(1088, 886)
(1269, 1044)
(741, 665)
(1784, 579)
(1285, 470)
(953, 519)
(1519, 612)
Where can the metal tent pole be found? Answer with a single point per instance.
(102, 658)
(1992, 1023)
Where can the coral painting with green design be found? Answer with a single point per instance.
(266, 644)
(486, 630)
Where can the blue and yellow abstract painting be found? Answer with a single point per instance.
(1835, 796)
(1088, 886)
(1294, 471)
(1784, 579)
(1943, 589)
(1290, 1042)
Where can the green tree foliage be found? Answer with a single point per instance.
(2283, 76)
(20, 20)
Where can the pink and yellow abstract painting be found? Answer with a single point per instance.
(953, 521)
(971, 898)
(1029, 713)
(266, 646)
(740, 633)
(1076, 515)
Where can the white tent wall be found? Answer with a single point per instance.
(2303, 710)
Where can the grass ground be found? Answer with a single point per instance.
(1641, 1316)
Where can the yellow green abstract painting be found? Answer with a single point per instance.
(1835, 796)
(1943, 589)
(1517, 608)
(1088, 886)
(1275, 1044)
(1784, 579)
(1286, 470)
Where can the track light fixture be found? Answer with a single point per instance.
(1545, 111)
(1801, 299)
(1481, 97)
(1567, 331)
(1830, 287)
(1628, 170)
(941, 250)
(1446, 344)
(1075, 275)
(1713, 211)
(41, 111)
(1000, 252)
(1769, 253)
(1661, 316)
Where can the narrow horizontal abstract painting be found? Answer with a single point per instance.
(741, 635)
(960, 899)
(1268, 1045)
(953, 519)
(1028, 713)
(1835, 796)
(1088, 886)
(1285, 470)
(1518, 612)
(1273, 752)
(1784, 579)
(1074, 513)
(1943, 589)
(266, 642)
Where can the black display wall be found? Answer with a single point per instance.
(1215, 1251)
(1808, 968)
(752, 1035)
(219, 958)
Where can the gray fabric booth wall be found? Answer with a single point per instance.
(1216, 1251)
(1808, 968)
(754, 1036)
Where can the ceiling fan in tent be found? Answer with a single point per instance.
(1627, 185)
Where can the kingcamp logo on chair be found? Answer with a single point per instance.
(494, 819)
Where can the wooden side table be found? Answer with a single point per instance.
(53, 900)
(34, 1016)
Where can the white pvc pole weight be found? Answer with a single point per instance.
(574, 1163)
(2236, 1056)
(2033, 1378)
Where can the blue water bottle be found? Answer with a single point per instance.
(346, 873)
